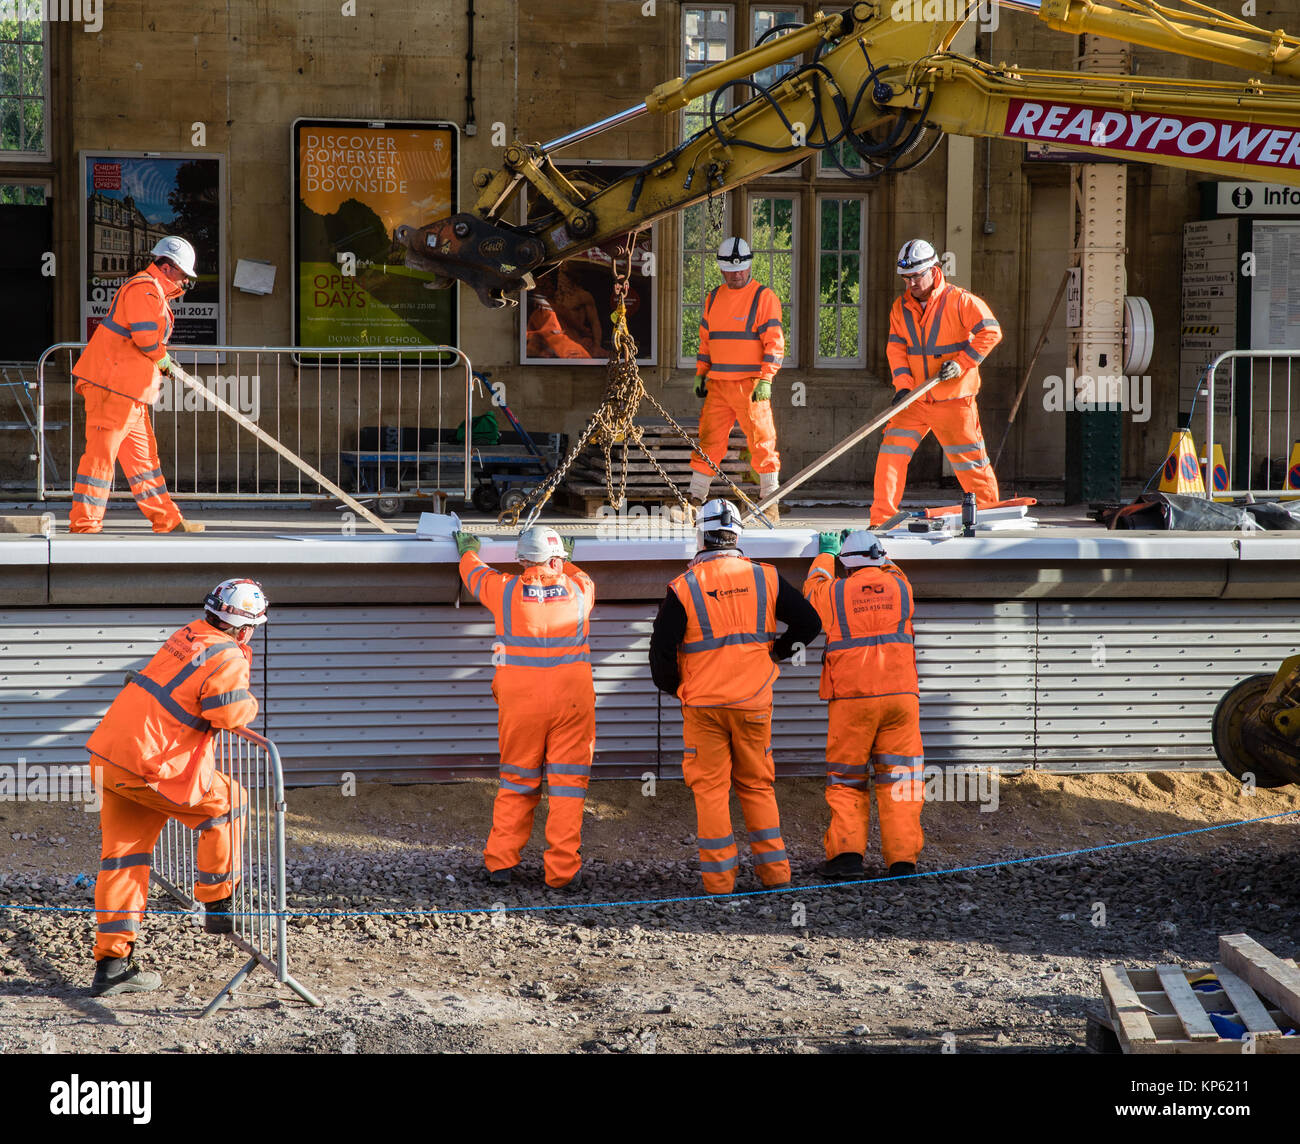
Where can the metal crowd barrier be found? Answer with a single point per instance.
(252, 764)
(373, 424)
(1261, 410)
(18, 392)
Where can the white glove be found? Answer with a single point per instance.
(949, 370)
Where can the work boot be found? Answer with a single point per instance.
(217, 917)
(189, 526)
(501, 877)
(768, 483)
(122, 975)
(847, 865)
(574, 885)
(902, 869)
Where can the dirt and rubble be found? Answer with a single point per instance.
(995, 960)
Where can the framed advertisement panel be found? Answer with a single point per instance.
(131, 199)
(355, 182)
(565, 319)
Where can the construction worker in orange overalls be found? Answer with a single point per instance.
(741, 348)
(715, 646)
(869, 677)
(546, 700)
(119, 374)
(935, 327)
(152, 759)
(545, 336)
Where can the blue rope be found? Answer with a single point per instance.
(669, 901)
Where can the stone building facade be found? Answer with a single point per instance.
(247, 69)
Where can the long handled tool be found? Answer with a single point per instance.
(847, 444)
(293, 459)
(1029, 369)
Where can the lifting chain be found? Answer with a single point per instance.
(613, 426)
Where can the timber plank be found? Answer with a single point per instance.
(1128, 1015)
(1248, 1005)
(1264, 972)
(1195, 1021)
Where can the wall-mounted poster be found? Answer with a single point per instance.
(355, 184)
(566, 319)
(129, 201)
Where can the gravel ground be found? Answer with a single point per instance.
(982, 961)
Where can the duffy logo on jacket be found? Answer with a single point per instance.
(545, 591)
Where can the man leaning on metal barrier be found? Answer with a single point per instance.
(152, 757)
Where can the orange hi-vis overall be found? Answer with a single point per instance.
(869, 676)
(118, 376)
(955, 325)
(741, 343)
(727, 674)
(152, 754)
(546, 708)
(545, 336)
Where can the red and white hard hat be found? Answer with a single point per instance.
(178, 251)
(240, 603)
(538, 544)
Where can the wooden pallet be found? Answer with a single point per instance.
(1155, 1011)
(672, 453)
(587, 499)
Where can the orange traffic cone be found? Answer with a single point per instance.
(1218, 475)
(1182, 472)
(1292, 481)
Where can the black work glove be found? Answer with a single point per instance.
(899, 394)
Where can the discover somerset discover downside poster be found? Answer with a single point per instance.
(355, 184)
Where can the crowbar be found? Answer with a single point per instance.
(847, 444)
(293, 459)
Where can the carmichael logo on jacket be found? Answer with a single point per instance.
(723, 593)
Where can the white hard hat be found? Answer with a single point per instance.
(240, 603)
(734, 254)
(916, 257)
(179, 251)
(538, 544)
(862, 548)
(717, 525)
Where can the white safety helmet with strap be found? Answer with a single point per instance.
(538, 544)
(734, 254)
(862, 549)
(178, 251)
(916, 257)
(239, 603)
(717, 525)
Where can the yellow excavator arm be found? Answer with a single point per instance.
(889, 87)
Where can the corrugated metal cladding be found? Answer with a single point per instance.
(404, 693)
